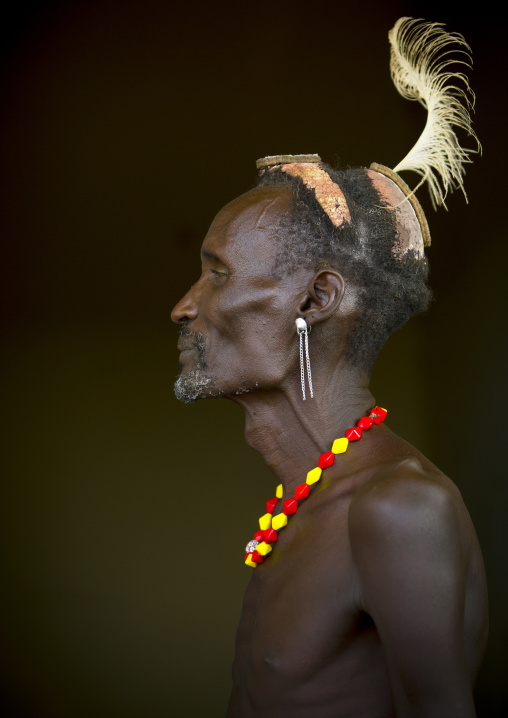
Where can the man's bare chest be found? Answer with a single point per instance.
(299, 608)
(302, 635)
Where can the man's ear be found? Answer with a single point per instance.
(322, 297)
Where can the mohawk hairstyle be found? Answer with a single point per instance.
(390, 290)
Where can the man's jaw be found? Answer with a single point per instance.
(197, 383)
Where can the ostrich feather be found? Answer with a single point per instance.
(421, 56)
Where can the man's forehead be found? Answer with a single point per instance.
(253, 212)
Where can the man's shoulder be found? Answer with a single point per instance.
(409, 515)
(410, 480)
(405, 496)
(399, 484)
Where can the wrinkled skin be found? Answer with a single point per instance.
(373, 602)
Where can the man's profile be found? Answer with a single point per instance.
(367, 596)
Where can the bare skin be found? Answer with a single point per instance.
(373, 601)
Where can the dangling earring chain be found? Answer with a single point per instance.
(302, 329)
(309, 375)
(302, 370)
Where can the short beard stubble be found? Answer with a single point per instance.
(198, 384)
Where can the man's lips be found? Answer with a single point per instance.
(189, 341)
(184, 346)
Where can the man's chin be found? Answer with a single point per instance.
(193, 386)
(197, 385)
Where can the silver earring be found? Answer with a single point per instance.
(303, 331)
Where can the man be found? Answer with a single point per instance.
(368, 592)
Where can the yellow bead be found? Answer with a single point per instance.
(278, 491)
(340, 445)
(250, 562)
(265, 522)
(278, 522)
(313, 476)
(263, 548)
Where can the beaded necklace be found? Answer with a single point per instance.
(261, 545)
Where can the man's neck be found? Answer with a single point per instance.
(291, 433)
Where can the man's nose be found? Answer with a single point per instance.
(186, 309)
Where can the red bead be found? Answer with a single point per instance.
(257, 557)
(326, 460)
(258, 536)
(301, 492)
(271, 504)
(270, 536)
(365, 422)
(353, 434)
(289, 507)
(381, 414)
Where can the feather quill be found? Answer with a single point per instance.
(419, 65)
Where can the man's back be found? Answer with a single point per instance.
(380, 566)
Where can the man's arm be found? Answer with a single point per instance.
(410, 558)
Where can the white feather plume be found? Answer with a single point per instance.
(420, 58)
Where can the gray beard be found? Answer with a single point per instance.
(194, 385)
(198, 384)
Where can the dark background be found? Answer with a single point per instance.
(125, 126)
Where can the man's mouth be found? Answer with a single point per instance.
(185, 346)
(186, 340)
(191, 341)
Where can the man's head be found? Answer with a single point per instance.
(237, 321)
(273, 255)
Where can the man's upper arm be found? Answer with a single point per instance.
(410, 563)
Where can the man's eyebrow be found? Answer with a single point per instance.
(210, 255)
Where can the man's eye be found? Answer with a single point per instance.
(216, 273)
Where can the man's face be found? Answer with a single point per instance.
(238, 321)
